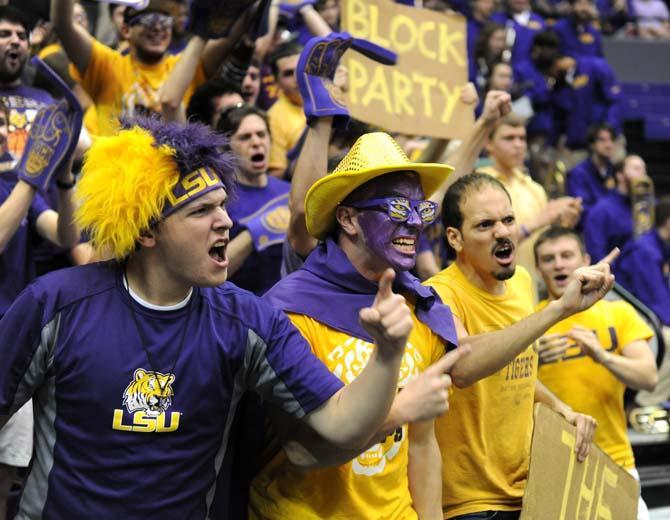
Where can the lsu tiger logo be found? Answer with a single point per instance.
(148, 397)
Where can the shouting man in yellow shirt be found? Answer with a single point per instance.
(485, 438)
(589, 359)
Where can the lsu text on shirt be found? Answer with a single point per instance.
(485, 437)
(587, 386)
(374, 485)
(122, 86)
(120, 433)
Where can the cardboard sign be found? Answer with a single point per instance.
(420, 95)
(561, 488)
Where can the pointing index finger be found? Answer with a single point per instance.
(447, 362)
(611, 256)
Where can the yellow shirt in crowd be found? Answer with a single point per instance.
(287, 121)
(122, 86)
(529, 200)
(372, 486)
(485, 437)
(589, 387)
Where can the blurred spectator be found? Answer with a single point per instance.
(286, 116)
(651, 283)
(610, 222)
(251, 85)
(577, 34)
(480, 14)
(255, 260)
(552, 9)
(521, 24)
(488, 49)
(127, 85)
(507, 149)
(22, 101)
(120, 43)
(652, 19)
(210, 99)
(179, 35)
(330, 12)
(569, 95)
(594, 176)
(615, 15)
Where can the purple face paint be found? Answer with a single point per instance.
(393, 243)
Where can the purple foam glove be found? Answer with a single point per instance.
(316, 68)
(53, 135)
(211, 19)
(268, 225)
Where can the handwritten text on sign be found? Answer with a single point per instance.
(421, 93)
(559, 487)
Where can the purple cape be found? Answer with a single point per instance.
(328, 289)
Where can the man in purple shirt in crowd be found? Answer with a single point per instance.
(521, 24)
(594, 176)
(579, 37)
(136, 366)
(610, 222)
(260, 205)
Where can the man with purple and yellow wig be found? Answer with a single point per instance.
(136, 366)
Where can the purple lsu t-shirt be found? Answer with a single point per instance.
(113, 439)
(17, 268)
(261, 270)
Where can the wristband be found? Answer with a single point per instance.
(64, 185)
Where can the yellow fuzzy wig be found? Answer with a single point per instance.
(125, 182)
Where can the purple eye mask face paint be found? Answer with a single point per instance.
(393, 242)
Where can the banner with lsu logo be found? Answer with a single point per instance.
(421, 94)
(561, 488)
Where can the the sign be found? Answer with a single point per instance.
(420, 95)
(561, 488)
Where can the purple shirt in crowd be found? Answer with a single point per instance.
(261, 270)
(112, 438)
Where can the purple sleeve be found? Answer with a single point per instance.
(281, 368)
(23, 344)
(611, 92)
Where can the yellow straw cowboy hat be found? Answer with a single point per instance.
(371, 156)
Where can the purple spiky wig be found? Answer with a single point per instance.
(143, 174)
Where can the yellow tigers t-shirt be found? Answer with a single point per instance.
(591, 388)
(375, 484)
(122, 86)
(485, 438)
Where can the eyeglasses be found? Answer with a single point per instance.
(399, 209)
(151, 20)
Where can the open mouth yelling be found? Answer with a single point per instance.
(561, 280)
(218, 253)
(406, 245)
(13, 58)
(258, 160)
(504, 253)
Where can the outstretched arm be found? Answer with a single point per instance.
(494, 350)
(312, 164)
(75, 40)
(13, 210)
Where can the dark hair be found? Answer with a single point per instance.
(283, 50)
(662, 213)
(556, 232)
(451, 206)
(113, 7)
(545, 50)
(232, 117)
(9, 13)
(592, 135)
(482, 42)
(200, 108)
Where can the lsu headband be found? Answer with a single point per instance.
(190, 187)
